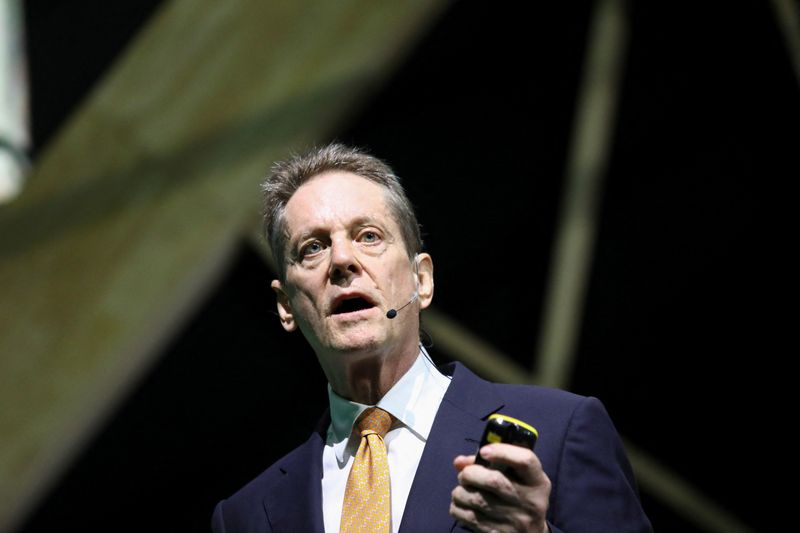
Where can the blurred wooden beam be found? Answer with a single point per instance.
(133, 211)
(589, 151)
(685, 499)
(787, 16)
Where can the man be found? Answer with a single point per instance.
(395, 450)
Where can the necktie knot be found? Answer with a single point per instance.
(374, 420)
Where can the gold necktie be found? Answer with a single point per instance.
(367, 498)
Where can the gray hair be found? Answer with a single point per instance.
(287, 176)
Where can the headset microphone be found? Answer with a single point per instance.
(391, 313)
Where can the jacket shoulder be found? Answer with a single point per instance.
(534, 404)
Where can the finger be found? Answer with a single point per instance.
(476, 521)
(466, 517)
(525, 464)
(462, 461)
(487, 480)
(484, 503)
(494, 501)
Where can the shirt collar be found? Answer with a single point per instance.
(413, 401)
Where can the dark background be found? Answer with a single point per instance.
(686, 319)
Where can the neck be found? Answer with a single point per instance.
(367, 379)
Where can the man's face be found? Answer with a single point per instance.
(348, 265)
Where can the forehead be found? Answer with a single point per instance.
(335, 198)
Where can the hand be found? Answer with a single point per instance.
(489, 500)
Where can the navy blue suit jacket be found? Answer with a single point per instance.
(593, 488)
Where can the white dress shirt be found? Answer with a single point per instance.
(414, 401)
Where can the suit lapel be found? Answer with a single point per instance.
(294, 502)
(456, 430)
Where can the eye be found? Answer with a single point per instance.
(369, 237)
(311, 248)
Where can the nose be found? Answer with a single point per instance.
(344, 262)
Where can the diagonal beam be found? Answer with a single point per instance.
(587, 160)
(133, 211)
(787, 16)
(688, 502)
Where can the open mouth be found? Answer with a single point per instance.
(351, 305)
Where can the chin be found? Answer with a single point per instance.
(354, 347)
(356, 342)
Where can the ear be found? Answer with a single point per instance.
(284, 307)
(425, 279)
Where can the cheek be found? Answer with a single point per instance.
(304, 306)
(401, 284)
